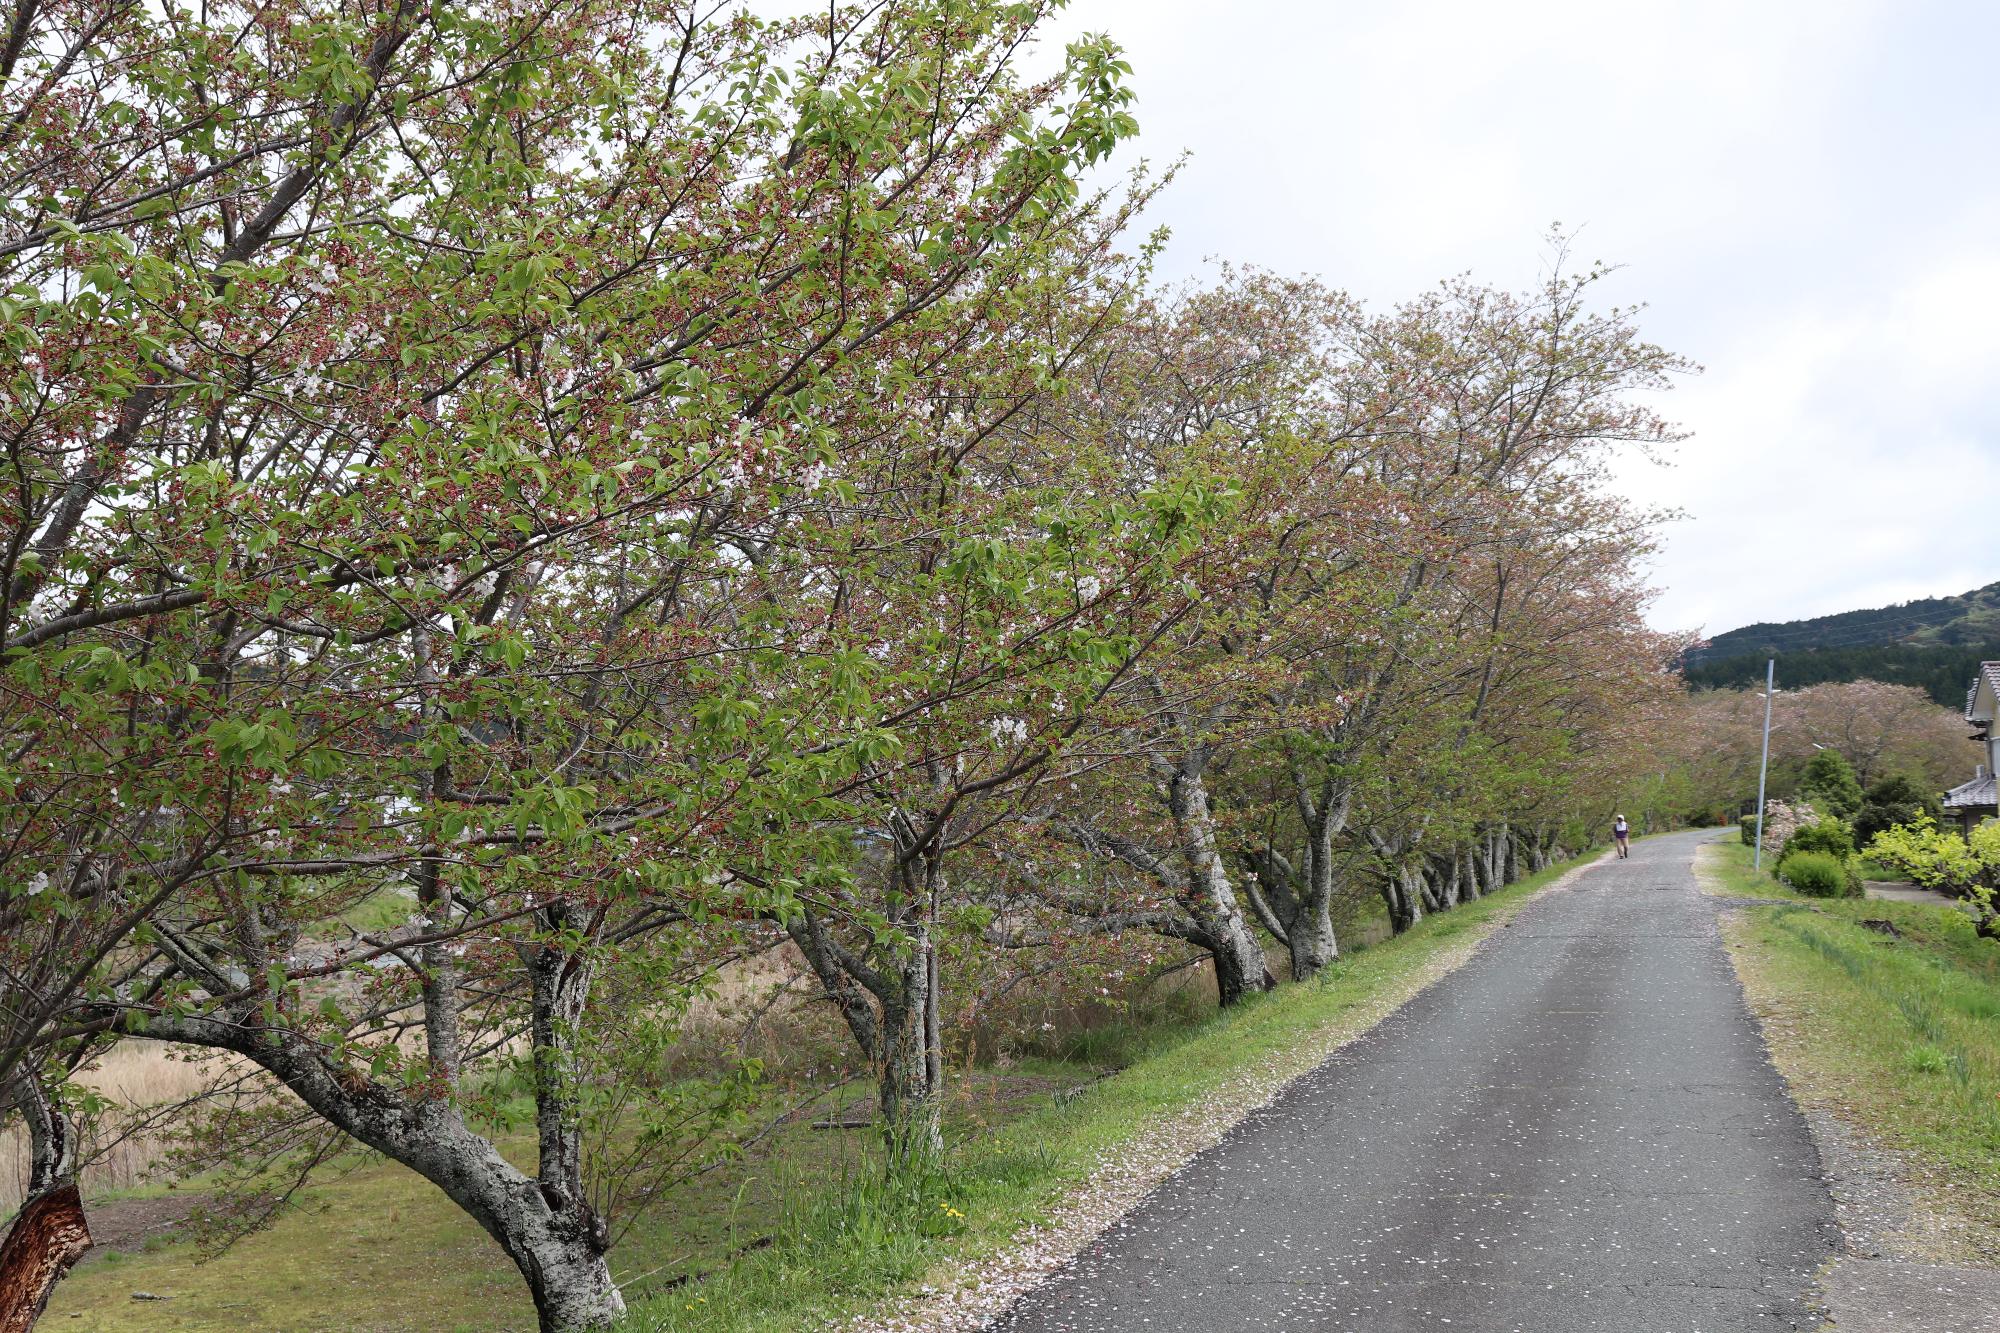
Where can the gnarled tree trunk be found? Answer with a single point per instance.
(543, 1221)
(1295, 901)
(1240, 966)
(50, 1233)
(1205, 911)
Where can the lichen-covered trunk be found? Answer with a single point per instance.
(1490, 858)
(571, 1286)
(1535, 842)
(558, 1249)
(1403, 894)
(1295, 903)
(1311, 938)
(542, 1220)
(892, 1001)
(1240, 965)
(50, 1233)
(911, 1065)
(1440, 884)
(566, 1268)
(1311, 941)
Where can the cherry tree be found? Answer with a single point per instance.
(418, 416)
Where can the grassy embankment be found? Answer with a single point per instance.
(800, 1234)
(1897, 1035)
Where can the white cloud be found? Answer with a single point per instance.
(1802, 191)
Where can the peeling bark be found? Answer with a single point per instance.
(50, 1233)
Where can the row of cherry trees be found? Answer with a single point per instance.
(1710, 755)
(644, 483)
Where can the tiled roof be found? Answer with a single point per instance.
(1971, 795)
(1988, 672)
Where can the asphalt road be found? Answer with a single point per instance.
(1577, 1130)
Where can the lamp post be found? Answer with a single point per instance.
(1764, 764)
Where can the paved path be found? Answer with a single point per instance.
(1578, 1130)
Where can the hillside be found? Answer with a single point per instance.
(1935, 643)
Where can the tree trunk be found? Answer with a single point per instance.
(893, 1005)
(1311, 940)
(1411, 890)
(1436, 881)
(1465, 872)
(557, 1246)
(1538, 851)
(1240, 965)
(1295, 907)
(545, 1226)
(569, 1279)
(1397, 903)
(911, 1067)
(1493, 860)
(50, 1233)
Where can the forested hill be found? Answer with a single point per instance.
(1935, 643)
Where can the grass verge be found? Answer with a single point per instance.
(1892, 1026)
(1726, 867)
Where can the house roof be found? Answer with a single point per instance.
(1980, 792)
(1988, 676)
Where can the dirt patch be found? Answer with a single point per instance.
(125, 1226)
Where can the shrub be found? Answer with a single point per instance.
(1895, 800)
(1830, 835)
(1928, 1059)
(1829, 783)
(1781, 820)
(1815, 874)
(1967, 868)
(1746, 828)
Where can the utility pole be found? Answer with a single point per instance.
(1764, 764)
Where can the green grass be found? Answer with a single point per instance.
(1728, 865)
(376, 1250)
(1899, 1033)
(802, 1233)
(384, 909)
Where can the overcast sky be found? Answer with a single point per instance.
(1805, 194)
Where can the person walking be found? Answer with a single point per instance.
(1621, 833)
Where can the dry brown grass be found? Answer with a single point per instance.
(137, 1076)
